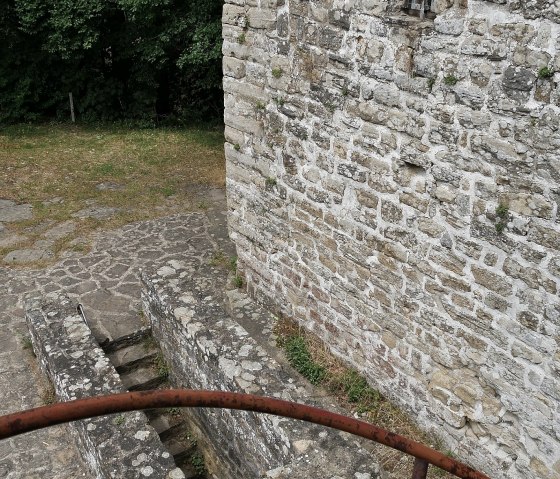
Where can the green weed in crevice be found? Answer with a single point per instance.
(545, 73)
(233, 264)
(26, 343)
(161, 365)
(238, 281)
(502, 213)
(431, 83)
(48, 394)
(299, 357)
(119, 420)
(197, 461)
(356, 389)
(450, 80)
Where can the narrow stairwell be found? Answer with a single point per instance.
(140, 366)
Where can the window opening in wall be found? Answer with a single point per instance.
(419, 8)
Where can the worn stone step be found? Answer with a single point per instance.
(113, 443)
(125, 340)
(180, 449)
(142, 379)
(132, 357)
(189, 471)
(169, 426)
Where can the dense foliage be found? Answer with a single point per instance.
(147, 59)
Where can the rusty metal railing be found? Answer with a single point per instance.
(32, 419)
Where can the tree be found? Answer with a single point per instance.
(120, 58)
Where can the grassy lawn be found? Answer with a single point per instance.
(62, 169)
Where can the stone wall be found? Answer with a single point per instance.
(393, 184)
(210, 349)
(113, 446)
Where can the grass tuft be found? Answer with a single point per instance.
(356, 389)
(119, 420)
(197, 461)
(545, 73)
(277, 72)
(161, 365)
(48, 395)
(502, 210)
(431, 83)
(238, 281)
(450, 80)
(502, 213)
(298, 354)
(27, 344)
(311, 358)
(233, 264)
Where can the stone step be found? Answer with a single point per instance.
(168, 426)
(180, 449)
(71, 357)
(189, 471)
(126, 340)
(142, 379)
(132, 357)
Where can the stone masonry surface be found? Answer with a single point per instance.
(393, 184)
(115, 446)
(210, 349)
(45, 454)
(107, 282)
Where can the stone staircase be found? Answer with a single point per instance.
(123, 445)
(135, 361)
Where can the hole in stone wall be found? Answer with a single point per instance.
(413, 168)
(419, 8)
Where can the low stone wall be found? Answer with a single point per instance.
(209, 350)
(123, 446)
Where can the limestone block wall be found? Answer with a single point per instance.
(393, 184)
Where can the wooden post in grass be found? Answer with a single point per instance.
(72, 107)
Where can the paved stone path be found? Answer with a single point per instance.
(106, 281)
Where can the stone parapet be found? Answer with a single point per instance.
(209, 349)
(116, 446)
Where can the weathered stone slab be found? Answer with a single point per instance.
(113, 446)
(10, 211)
(60, 231)
(22, 256)
(8, 240)
(210, 350)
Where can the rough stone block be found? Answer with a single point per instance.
(218, 353)
(122, 446)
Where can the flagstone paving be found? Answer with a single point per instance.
(106, 281)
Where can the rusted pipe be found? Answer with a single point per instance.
(420, 468)
(30, 420)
